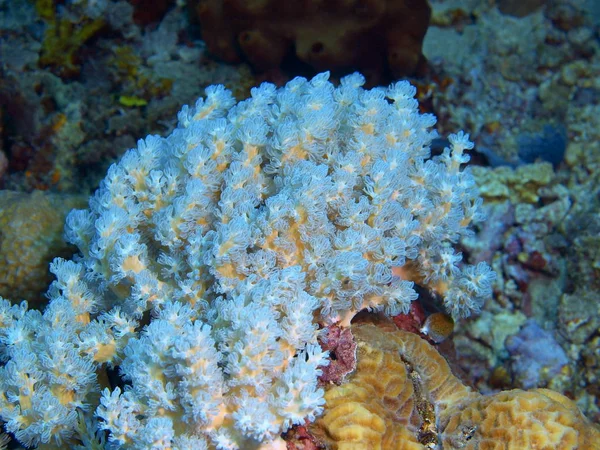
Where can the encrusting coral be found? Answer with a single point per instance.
(64, 36)
(403, 396)
(377, 37)
(210, 258)
(30, 237)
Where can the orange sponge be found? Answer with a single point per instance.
(376, 37)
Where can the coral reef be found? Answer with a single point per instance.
(549, 145)
(31, 228)
(514, 74)
(520, 185)
(69, 109)
(64, 37)
(542, 240)
(379, 38)
(403, 395)
(341, 346)
(536, 357)
(521, 76)
(209, 259)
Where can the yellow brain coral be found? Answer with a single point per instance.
(537, 419)
(403, 395)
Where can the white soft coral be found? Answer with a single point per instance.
(232, 240)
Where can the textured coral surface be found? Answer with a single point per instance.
(31, 228)
(516, 419)
(403, 395)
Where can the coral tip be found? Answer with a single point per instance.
(438, 326)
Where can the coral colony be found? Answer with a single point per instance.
(210, 260)
(403, 395)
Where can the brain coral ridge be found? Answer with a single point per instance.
(210, 258)
(403, 396)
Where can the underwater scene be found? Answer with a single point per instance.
(300, 225)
